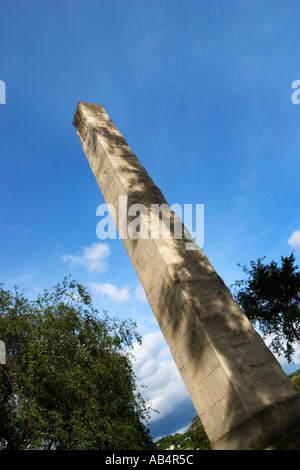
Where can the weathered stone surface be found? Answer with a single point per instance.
(243, 398)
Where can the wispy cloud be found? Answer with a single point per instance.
(156, 369)
(140, 294)
(294, 240)
(120, 295)
(93, 258)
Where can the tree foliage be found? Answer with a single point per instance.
(197, 435)
(68, 381)
(195, 438)
(295, 379)
(270, 297)
(296, 382)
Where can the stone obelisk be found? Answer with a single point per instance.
(240, 392)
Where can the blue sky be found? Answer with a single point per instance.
(201, 91)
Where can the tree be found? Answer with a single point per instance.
(296, 383)
(197, 435)
(295, 379)
(195, 438)
(270, 297)
(68, 381)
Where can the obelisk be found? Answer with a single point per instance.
(240, 392)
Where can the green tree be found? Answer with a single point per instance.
(270, 297)
(197, 435)
(296, 382)
(296, 373)
(68, 381)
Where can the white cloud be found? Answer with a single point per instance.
(140, 294)
(294, 240)
(93, 258)
(117, 295)
(156, 369)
